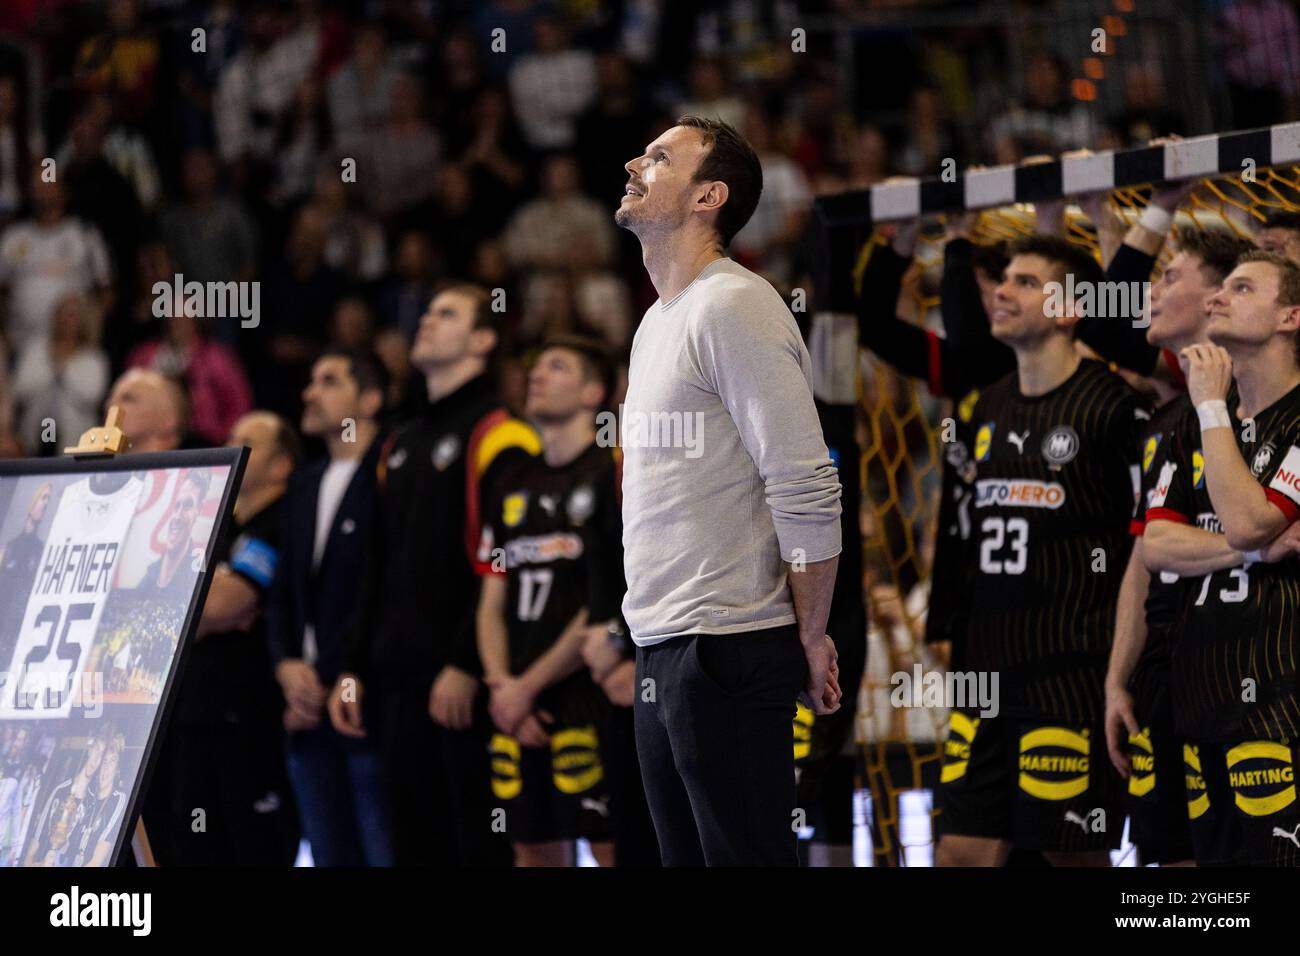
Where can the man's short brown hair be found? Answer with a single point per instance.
(1218, 250)
(484, 316)
(730, 159)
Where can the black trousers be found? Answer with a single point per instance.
(713, 731)
(438, 782)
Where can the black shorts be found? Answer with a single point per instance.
(557, 792)
(1241, 800)
(1038, 784)
(1157, 796)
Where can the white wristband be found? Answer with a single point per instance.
(1157, 220)
(1253, 557)
(1213, 413)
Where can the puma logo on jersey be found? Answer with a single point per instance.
(1018, 440)
(1072, 817)
(599, 806)
(1293, 836)
(547, 504)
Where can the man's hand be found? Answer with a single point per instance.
(599, 653)
(451, 699)
(345, 715)
(620, 685)
(511, 701)
(1209, 372)
(302, 688)
(822, 694)
(1120, 723)
(532, 732)
(295, 720)
(1286, 545)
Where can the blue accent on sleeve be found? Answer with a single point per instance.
(256, 560)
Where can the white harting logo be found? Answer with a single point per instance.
(642, 429)
(134, 910)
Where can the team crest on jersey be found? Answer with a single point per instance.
(397, 459)
(445, 452)
(1149, 450)
(581, 504)
(1198, 470)
(513, 508)
(1061, 445)
(1262, 459)
(984, 440)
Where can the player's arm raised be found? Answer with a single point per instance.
(1250, 518)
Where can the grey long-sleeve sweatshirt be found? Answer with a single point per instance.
(725, 471)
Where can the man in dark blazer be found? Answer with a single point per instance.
(337, 780)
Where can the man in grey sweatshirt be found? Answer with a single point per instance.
(731, 514)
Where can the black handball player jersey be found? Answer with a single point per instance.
(1164, 604)
(1234, 657)
(1054, 489)
(542, 529)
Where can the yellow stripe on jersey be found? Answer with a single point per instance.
(956, 749)
(508, 433)
(803, 725)
(1198, 798)
(575, 759)
(1143, 778)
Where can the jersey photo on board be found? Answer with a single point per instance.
(103, 566)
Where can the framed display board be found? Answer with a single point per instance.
(104, 567)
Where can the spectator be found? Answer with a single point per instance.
(541, 234)
(153, 410)
(494, 159)
(210, 236)
(46, 258)
(928, 138)
(301, 140)
(1260, 40)
(1146, 114)
(97, 193)
(400, 160)
(612, 131)
(781, 217)
(354, 243)
(1048, 121)
(456, 220)
(298, 300)
(361, 90)
(122, 60)
(352, 326)
(463, 81)
(215, 385)
(406, 295)
(258, 85)
(551, 87)
(61, 379)
(711, 95)
(20, 144)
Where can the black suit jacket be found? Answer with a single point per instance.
(325, 596)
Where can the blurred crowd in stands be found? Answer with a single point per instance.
(350, 156)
